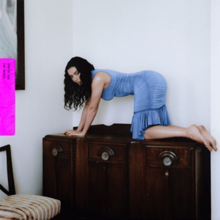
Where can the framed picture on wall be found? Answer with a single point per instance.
(12, 36)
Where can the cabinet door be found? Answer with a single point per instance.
(181, 194)
(107, 182)
(57, 172)
(107, 190)
(169, 182)
(155, 195)
(168, 194)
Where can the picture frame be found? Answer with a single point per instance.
(12, 37)
(20, 75)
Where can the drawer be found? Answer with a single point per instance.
(107, 152)
(56, 148)
(179, 157)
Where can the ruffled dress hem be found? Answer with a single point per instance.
(142, 120)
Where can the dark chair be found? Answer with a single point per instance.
(15, 206)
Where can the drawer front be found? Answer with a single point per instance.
(180, 157)
(107, 152)
(54, 148)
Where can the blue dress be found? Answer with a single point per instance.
(149, 90)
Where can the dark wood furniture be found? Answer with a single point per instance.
(107, 175)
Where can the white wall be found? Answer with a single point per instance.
(171, 37)
(215, 105)
(39, 108)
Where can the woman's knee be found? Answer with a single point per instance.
(148, 133)
(147, 136)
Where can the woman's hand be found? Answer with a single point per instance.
(74, 133)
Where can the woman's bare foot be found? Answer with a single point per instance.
(194, 133)
(208, 136)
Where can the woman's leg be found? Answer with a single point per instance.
(198, 134)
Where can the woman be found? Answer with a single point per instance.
(85, 85)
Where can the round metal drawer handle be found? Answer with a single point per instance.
(55, 149)
(105, 156)
(106, 153)
(168, 158)
(54, 152)
(167, 161)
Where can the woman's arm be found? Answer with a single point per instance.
(81, 123)
(91, 108)
(83, 117)
(97, 89)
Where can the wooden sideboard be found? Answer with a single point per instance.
(108, 175)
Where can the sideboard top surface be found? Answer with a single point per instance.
(120, 133)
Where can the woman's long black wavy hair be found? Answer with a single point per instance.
(76, 95)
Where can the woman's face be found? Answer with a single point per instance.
(75, 75)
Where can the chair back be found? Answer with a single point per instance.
(11, 185)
